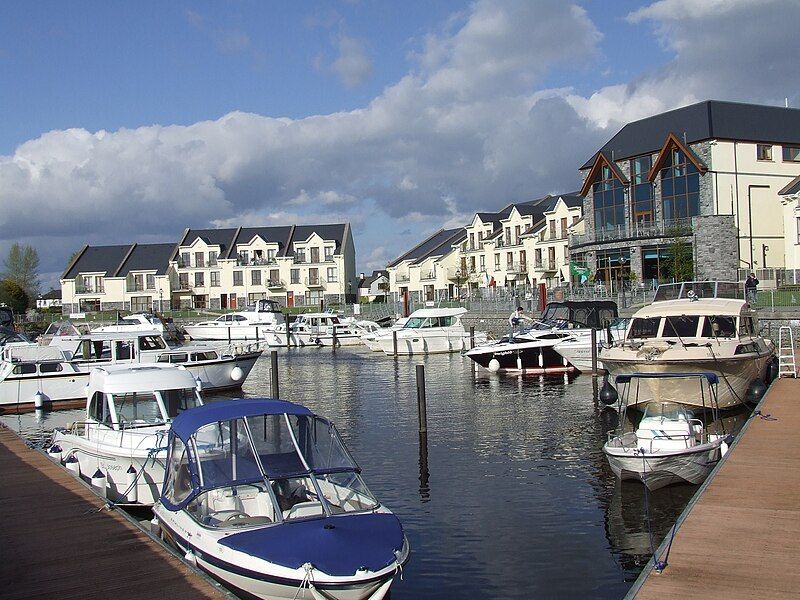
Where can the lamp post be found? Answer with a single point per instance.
(160, 300)
(764, 249)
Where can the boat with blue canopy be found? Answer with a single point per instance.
(264, 496)
(668, 444)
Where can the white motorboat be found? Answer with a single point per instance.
(531, 350)
(320, 329)
(669, 445)
(135, 322)
(577, 347)
(429, 331)
(370, 338)
(264, 496)
(31, 374)
(691, 327)
(257, 323)
(122, 442)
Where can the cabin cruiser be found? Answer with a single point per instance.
(31, 374)
(668, 445)
(135, 322)
(429, 331)
(320, 329)
(370, 338)
(531, 350)
(577, 348)
(122, 442)
(694, 326)
(257, 323)
(264, 496)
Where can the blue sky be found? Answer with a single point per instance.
(130, 121)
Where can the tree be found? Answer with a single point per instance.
(14, 295)
(680, 264)
(22, 266)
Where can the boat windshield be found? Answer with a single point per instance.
(309, 471)
(153, 408)
(425, 322)
(667, 411)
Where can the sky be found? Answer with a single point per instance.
(124, 122)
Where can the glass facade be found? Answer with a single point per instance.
(642, 191)
(608, 194)
(680, 187)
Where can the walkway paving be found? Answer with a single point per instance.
(741, 539)
(55, 544)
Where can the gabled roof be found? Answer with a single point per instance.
(118, 261)
(213, 237)
(336, 232)
(602, 158)
(367, 281)
(437, 244)
(671, 142)
(278, 235)
(792, 188)
(53, 294)
(712, 119)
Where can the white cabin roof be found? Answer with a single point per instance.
(438, 312)
(706, 306)
(120, 379)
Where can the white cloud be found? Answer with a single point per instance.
(469, 128)
(352, 65)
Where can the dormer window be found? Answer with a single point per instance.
(680, 187)
(244, 257)
(328, 253)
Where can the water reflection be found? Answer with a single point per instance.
(523, 502)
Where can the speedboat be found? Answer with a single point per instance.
(577, 347)
(690, 327)
(669, 445)
(31, 374)
(257, 323)
(429, 331)
(122, 441)
(532, 349)
(263, 496)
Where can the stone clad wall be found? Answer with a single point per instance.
(715, 247)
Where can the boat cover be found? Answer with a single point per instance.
(186, 423)
(626, 377)
(338, 545)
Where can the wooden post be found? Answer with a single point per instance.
(288, 337)
(472, 337)
(394, 342)
(421, 400)
(274, 368)
(333, 338)
(594, 352)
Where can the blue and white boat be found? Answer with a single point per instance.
(264, 496)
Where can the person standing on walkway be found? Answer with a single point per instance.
(751, 288)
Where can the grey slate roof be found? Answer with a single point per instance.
(792, 188)
(118, 261)
(146, 257)
(367, 281)
(712, 119)
(327, 232)
(51, 295)
(215, 237)
(436, 245)
(280, 235)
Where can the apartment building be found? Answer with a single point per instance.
(546, 242)
(297, 265)
(430, 270)
(132, 277)
(707, 176)
(374, 287)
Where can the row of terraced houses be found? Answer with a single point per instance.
(295, 265)
(723, 178)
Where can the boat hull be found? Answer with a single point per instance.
(524, 357)
(252, 333)
(579, 356)
(429, 343)
(736, 375)
(114, 463)
(659, 469)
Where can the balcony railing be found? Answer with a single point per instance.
(427, 276)
(642, 229)
(140, 287)
(256, 262)
(545, 265)
(276, 284)
(517, 268)
(89, 289)
(315, 282)
(402, 278)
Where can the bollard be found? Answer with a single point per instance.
(594, 352)
(424, 473)
(228, 327)
(274, 368)
(333, 338)
(421, 400)
(472, 337)
(288, 336)
(394, 342)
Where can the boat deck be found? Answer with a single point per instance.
(55, 541)
(739, 537)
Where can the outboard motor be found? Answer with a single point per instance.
(608, 394)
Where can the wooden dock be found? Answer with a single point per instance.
(56, 542)
(740, 536)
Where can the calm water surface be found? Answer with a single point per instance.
(511, 495)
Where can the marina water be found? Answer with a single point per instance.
(512, 496)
